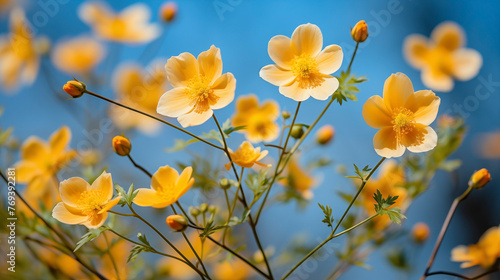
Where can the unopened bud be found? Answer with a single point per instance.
(203, 207)
(212, 209)
(360, 31)
(325, 134)
(224, 184)
(480, 178)
(297, 131)
(121, 145)
(420, 232)
(177, 222)
(194, 211)
(74, 88)
(168, 11)
(285, 115)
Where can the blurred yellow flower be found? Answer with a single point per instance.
(232, 270)
(420, 232)
(129, 26)
(403, 117)
(389, 182)
(167, 186)
(442, 57)
(246, 156)
(119, 250)
(141, 89)
(489, 145)
(298, 179)
(85, 204)
(19, 59)
(302, 69)
(259, 120)
(198, 85)
(60, 262)
(78, 55)
(484, 253)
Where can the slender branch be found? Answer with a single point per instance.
(139, 167)
(497, 269)
(352, 59)
(231, 210)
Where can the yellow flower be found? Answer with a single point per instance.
(484, 253)
(141, 89)
(246, 156)
(84, 204)
(167, 186)
(403, 117)
(325, 134)
(198, 85)
(121, 145)
(19, 62)
(442, 57)
(40, 162)
(129, 26)
(420, 232)
(298, 179)
(480, 178)
(302, 69)
(259, 120)
(359, 32)
(61, 262)
(78, 55)
(232, 270)
(74, 88)
(168, 11)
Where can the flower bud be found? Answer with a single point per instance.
(177, 222)
(195, 211)
(480, 178)
(420, 232)
(297, 131)
(203, 207)
(74, 88)
(360, 31)
(121, 145)
(325, 134)
(212, 209)
(224, 184)
(168, 11)
(285, 114)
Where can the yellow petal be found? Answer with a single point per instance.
(184, 177)
(421, 139)
(247, 103)
(437, 80)
(385, 143)
(308, 39)
(330, 59)
(448, 35)
(326, 89)
(147, 197)
(136, 13)
(271, 109)
(61, 214)
(26, 171)
(397, 88)
(193, 118)
(104, 184)
(425, 105)
(96, 221)
(375, 112)
(415, 49)
(30, 71)
(276, 75)
(110, 205)
(183, 189)
(35, 150)
(174, 103)
(41, 184)
(163, 178)
(270, 133)
(210, 63)
(71, 190)
(224, 88)
(181, 68)
(282, 51)
(467, 63)
(91, 12)
(295, 92)
(59, 140)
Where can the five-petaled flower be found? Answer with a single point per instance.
(443, 57)
(298, 179)
(167, 186)
(484, 253)
(83, 203)
(246, 156)
(259, 121)
(403, 117)
(302, 69)
(199, 87)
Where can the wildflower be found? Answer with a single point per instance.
(129, 26)
(246, 156)
(232, 270)
(480, 178)
(19, 61)
(325, 134)
(78, 55)
(167, 186)
(121, 146)
(168, 11)
(85, 204)
(177, 222)
(420, 232)
(360, 31)
(484, 253)
(198, 85)
(298, 179)
(443, 57)
(141, 89)
(74, 88)
(302, 69)
(259, 121)
(403, 117)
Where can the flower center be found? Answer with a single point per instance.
(441, 60)
(200, 93)
(91, 202)
(118, 27)
(305, 69)
(402, 122)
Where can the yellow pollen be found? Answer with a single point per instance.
(91, 202)
(305, 69)
(402, 122)
(200, 93)
(118, 27)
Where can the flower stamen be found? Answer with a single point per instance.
(403, 122)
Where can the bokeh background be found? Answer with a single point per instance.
(242, 29)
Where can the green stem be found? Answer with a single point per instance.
(231, 211)
(352, 58)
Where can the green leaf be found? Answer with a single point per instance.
(382, 207)
(327, 210)
(89, 236)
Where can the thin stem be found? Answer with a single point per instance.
(231, 211)
(121, 214)
(465, 277)
(352, 58)
(111, 256)
(153, 117)
(444, 228)
(139, 167)
(355, 226)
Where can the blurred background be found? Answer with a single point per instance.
(242, 29)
